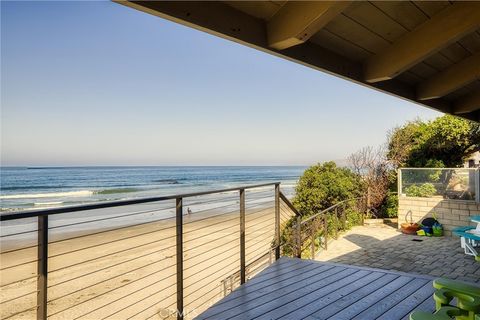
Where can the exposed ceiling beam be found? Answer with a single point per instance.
(297, 21)
(219, 19)
(451, 79)
(467, 104)
(447, 26)
(213, 17)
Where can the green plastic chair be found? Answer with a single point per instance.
(467, 301)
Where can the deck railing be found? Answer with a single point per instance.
(304, 237)
(138, 258)
(150, 257)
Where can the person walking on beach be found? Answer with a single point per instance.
(189, 212)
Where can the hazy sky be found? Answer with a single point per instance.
(97, 83)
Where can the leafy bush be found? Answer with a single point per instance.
(324, 185)
(425, 190)
(443, 142)
(390, 206)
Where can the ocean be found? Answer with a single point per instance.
(29, 188)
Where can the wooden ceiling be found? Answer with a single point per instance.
(427, 52)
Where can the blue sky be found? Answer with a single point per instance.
(97, 83)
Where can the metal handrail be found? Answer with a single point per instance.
(329, 208)
(289, 204)
(43, 236)
(111, 204)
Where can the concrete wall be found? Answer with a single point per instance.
(450, 213)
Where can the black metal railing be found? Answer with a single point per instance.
(306, 236)
(139, 257)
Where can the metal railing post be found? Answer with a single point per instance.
(399, 182)
(344, 217)
(242, 236)
(366, 211)
(179, 237)
(325, 230)
(312, 246)
(336, 223)
(477, 185)
(298, 228)
(42, 267)
(277, 221)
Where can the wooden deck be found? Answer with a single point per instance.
(304, 289)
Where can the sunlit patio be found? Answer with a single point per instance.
(385, 247)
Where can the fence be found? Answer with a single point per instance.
(446, 183)
(170, 256)
(304, 237)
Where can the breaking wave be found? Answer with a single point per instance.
(71, 194)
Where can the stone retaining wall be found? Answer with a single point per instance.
(450, 213)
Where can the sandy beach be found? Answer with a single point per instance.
(129, 272)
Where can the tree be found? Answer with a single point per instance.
(443, 142)
(324, 185)
(372, 165)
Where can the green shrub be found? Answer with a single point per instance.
(324, 185)
(390, 206)
(425, 190)
(353, 218)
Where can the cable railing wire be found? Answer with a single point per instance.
(230, 256)
(152, 305)
(116, 288)
(222, 276)
(103, 256)
(144, 298)
(220, 214)
(111, 278)
(130, 293)
(16, 281)
(112, 266)
(163, 249)
(120, 228)
(21, 296)
(225, 249)
(140, 213)
(19, 249)
(113, 241)
(111, 218)
(20, 312)
(17, 233)
(154, 314)
(210, 242)
(112, 204)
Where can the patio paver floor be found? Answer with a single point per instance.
(385, 247)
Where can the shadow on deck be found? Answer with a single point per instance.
(304, 289)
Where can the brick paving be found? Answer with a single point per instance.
(384, 247)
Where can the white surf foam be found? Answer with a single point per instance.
(80, 193)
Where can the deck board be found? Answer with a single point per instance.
(304, 289)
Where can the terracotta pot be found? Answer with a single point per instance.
(410, 228)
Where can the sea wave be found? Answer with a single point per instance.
(70, 194)
(79, 193)
(116, 190)
(167, 181)
(48, 204)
